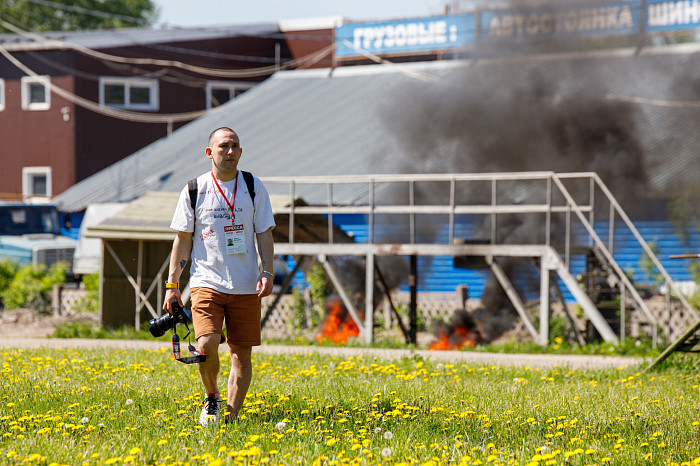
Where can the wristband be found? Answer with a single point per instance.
(169, 285)
(269, 273)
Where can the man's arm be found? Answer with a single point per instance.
(182, 248)
(266, 249)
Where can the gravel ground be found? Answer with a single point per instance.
(499, 359)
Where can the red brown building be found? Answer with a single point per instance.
(73, 103)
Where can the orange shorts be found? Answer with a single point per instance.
(240, 312)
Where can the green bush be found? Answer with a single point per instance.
(31, 286)
(89, 302)
(8, 269)
(319, 290)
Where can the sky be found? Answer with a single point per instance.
(217, 12)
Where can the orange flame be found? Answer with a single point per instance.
(334, 328)
(461, 337)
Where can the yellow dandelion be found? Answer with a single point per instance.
(135, 451)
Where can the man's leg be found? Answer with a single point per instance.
(209, 369)
(239, 378)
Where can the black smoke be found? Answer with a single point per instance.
(520, 115)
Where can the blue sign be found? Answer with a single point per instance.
(672, 16)
(613, 18)
(412, 36)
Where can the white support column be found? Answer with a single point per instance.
(341, 292)
(512, 295)
(544, 304)
(139, 302)
(369, 298)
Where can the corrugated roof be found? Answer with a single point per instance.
(343, 122)
(295, 123)
(111, 38)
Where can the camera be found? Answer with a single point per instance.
(165, 322)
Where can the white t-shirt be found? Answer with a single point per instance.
(212, 267)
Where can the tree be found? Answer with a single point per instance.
(70, 15)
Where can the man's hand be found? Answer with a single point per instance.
(170, 295)
(264, 287)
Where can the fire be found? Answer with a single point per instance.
(461, 333)
(337, 327)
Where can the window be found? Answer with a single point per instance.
(36, 93)
(36, 182)
(131, 93)
(2, 94)
(218, 92)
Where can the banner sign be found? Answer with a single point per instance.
(672, 16)
(410, 36)
(613, 18)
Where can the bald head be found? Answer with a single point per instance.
(225, 129)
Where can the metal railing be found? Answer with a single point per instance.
(549, 195)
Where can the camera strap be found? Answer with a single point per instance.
(196, 355)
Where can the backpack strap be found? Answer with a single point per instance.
(250, 182)
(192, 186)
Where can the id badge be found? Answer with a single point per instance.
(235, 239)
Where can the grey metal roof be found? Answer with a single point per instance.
(411, 118)
(111, 38)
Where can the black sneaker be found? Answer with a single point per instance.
(211, 410)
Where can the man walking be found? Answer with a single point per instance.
(226, 284)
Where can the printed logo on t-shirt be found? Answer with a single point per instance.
(206, 234)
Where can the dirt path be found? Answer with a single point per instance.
(499, 359)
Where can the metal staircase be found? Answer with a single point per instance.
(566, 205)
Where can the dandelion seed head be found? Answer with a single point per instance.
(388, 435)
(280, 426)
(386, 452)
(129, 401)
(377, 430)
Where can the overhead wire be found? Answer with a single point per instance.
(183, 80)
(107, 111)
(216, 72)
(111, 60)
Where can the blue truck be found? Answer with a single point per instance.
(31, 234)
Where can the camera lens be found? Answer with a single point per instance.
(160, 325)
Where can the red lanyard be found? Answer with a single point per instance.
(233, 199)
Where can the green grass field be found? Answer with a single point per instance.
(90, 407)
